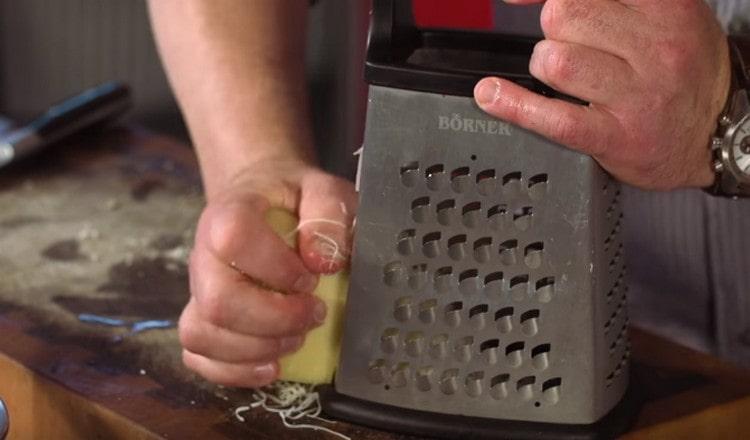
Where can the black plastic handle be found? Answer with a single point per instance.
(93, 106)
(400, 55)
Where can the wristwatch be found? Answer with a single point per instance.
(731, 143)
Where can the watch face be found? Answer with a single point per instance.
(741, 148)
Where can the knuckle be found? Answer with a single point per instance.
(559, 65)
(213, 308)
(224, 227)
(190, 337)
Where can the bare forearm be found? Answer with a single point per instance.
(237, 68)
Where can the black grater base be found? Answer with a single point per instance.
(444, 426)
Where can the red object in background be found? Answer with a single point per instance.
(461, 14)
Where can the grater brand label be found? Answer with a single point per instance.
(456, 122)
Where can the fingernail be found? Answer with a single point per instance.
(305, 283)
(291, 343)
(486, 92)
(265, 372)
(319, 312)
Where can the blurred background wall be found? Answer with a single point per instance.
(50, 49)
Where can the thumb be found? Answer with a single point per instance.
(326, 214)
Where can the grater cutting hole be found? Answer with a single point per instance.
(486, 182)
(446, 212)
(540, 356)
(504, 319)
(457, 247)
(488, 350)
(519, 287)
(400, 375)
(431, 244)
(460, 179)
(508, 252)
(525, 387)
(439, 346)
(377, 372)
(472, 214)
(474, 383)
(418, 276)
(449, 381)
(499, 386)
(522, 217)
(533, 255)
(424, 378)
(420, 210)
(545, 289)
(394, 274)
(407, 241)
(551, 390)
(512, 183)
(390, 341)
(538, 185)
(403, 309)
(463, 348)
(410, 174)
(414, 344)
(428, 311)
(483, 249)
(514, 354)
(478, 316)
(493, 284)
(435, 177)
(444, 282)
(453, 313)
(496, 216)
(469, 282)
(530, 322)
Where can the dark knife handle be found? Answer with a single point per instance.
(93, 106)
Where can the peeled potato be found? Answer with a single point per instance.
(315, 362)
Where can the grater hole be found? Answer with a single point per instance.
(551, 390)
(493, 284)
(446, 212)
(428, 311)
(453, 313)
(519, 287)
(514, 353)
(420, 210)
(525, 387)
(538, 185)
(508, 252)
(377, 371)
(400, 375)
(457, 247)
(540, 356)
(533, 255)
(449, 381)
(463, 349)
(410, 174)
(530, 322)
(407, 241)
(439, 346)
(418, 276)
(414, 344)
(474, 383)
(469, 282)
(460, 179)
(435, 177)
(496, 216)
(488, 350)
(402, 309)
(424, 378)
(444, 280)
(499, 386)
(486, 182)
(472, 214)
(503, 319)
(431, 244)
(545, 289)
(522, 217)
(483, 249)
(478, 316)
(394, 274)
(389, 341)
(512, 178)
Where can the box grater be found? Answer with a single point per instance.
(487, 297)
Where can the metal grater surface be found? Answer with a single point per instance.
(487, 269)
